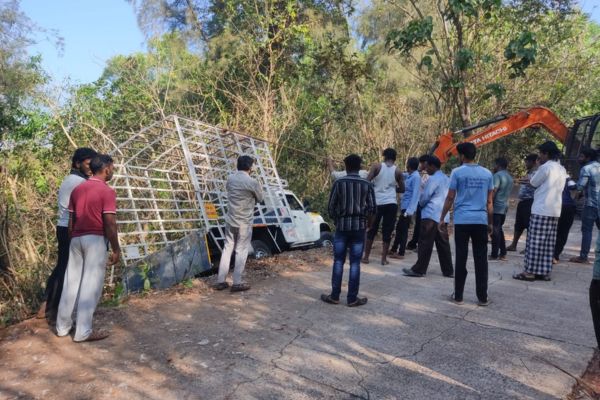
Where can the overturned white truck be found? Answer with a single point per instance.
(170, 182)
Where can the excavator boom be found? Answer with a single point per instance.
(501, 126)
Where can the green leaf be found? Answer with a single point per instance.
(522, 51)
(464, 59)
(413, 35)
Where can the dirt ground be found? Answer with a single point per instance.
(278, 341)
(46, 360)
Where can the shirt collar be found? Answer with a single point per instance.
(78, 173)
(93, 178)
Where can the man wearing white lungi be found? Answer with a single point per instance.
(92, 225)
(243, 192)
(549, 181)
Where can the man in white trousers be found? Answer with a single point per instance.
(92, 225)
(243, 192)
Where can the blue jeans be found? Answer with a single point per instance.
(589, 216)
(342, 242)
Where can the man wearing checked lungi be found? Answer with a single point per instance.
(549, 181)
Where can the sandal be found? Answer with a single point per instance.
(328, 299)
(360, 301)
(94, 337)
(545, 278)
(524, 276)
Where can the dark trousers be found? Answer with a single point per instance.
(498, 242)
(353, 241)
(567, 215)
(429, 234)
(401, 233)
(415, 239)
(595, 307)
(478, 235)
(589, 217)
(54, 286)
(386, 216)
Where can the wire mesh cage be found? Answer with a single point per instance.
(170, 181)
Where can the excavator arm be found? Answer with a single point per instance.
(501, 126)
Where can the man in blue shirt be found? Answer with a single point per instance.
(408, 207)
(589, 184)
(471, 191)
(432, 202)
(412, 244)
(503, 184)
(595, 292)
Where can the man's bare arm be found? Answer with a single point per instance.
(400, 181)
(111, 233)
(374, 171)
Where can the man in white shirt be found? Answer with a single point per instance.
(549, 182)
(80, 172)
(387, 180)
(335, 175)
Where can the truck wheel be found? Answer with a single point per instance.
(326, 240)
(261, 250)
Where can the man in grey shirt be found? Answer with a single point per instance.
(503, 184)
(243, 192)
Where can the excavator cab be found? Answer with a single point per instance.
(585, 133)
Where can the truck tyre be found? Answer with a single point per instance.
(326, 240)
(261, 250)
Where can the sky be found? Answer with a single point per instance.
(96, 30)
(93, 31)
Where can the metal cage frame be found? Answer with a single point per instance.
(170, 181)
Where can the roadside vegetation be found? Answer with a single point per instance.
(325, 77)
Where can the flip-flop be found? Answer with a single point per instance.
(524, 277)
(94, 337)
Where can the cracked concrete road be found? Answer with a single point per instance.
(278, 341)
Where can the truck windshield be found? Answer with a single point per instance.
(293, 202)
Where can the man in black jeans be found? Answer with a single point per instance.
(80, 172)
(565, 221)
(471, 192)
(503, 184)
(387, 181)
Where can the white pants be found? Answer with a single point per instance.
(83, 284)
(237, 239)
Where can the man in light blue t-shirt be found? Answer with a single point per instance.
(471, 192)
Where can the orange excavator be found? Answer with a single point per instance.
(584, 133)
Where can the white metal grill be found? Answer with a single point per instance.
(170, 181)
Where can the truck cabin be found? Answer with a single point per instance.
(585, 133)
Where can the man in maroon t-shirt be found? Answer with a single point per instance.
(92, 224)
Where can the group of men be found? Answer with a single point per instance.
(86, 227)
(479, 200)
(359, 203)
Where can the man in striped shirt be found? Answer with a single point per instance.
(352, 206)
